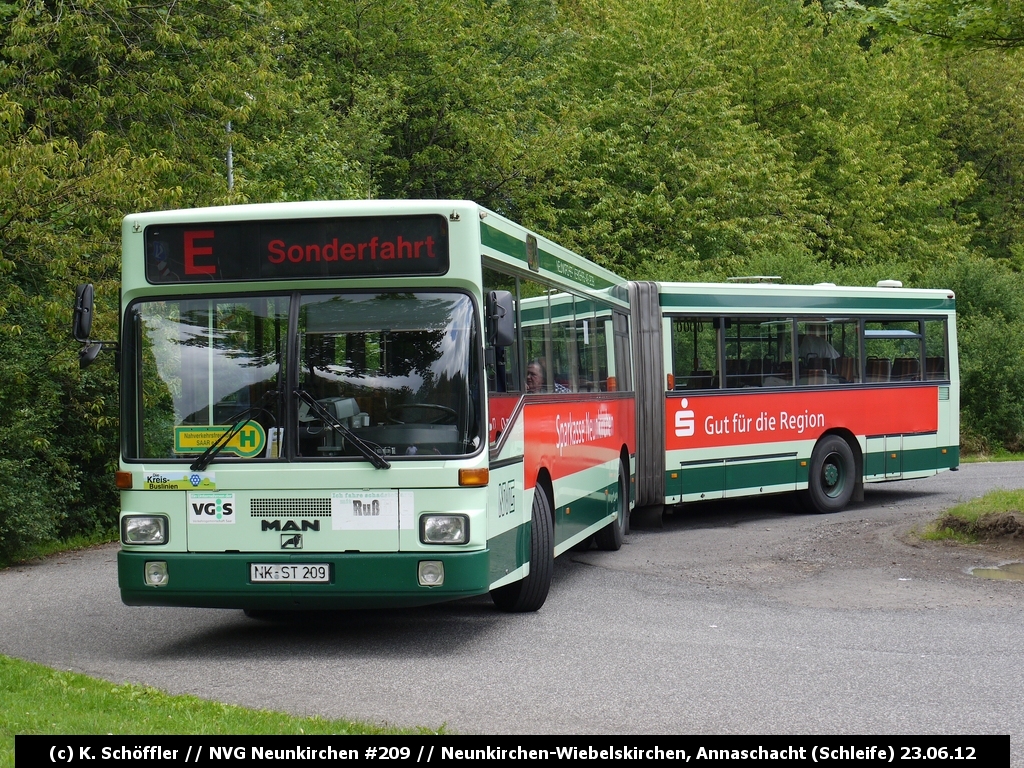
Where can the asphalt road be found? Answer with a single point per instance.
(731, 619)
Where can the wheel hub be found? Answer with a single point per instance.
(831, 475)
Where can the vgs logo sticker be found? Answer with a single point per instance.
(211, 508)
(684, 420)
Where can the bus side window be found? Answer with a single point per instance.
(535, 312)
(563, 343)
(758, 352)
(935, 346)
(586, 347)
(604, 352)
(828, 350)
(501, 363)
(694, 353)
(620, 370)
(893, 350)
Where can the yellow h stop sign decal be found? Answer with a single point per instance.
(247, 443)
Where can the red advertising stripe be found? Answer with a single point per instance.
(500, 408)
(704, 421)
(569, 437)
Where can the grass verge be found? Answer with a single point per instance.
(996, 514)
(46, 548)
(38, 700)
(999, 455)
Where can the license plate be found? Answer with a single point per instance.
(295, 573)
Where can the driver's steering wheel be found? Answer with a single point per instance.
(447, 416)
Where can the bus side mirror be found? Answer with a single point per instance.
(88, 353)
(501, 329)
(81, 325)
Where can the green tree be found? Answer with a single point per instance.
(105, 107)
(990, 309)
(971, 24)
(436, 98)
(59, 205)
(669, 177)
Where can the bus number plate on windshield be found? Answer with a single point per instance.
(295, 573)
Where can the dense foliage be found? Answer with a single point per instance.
(666, 139)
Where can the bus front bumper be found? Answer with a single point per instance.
(357, 580)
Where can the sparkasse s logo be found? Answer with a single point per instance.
(684, 420)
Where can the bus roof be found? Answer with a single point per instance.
(812, 299)
(499, 238)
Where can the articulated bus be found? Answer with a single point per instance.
(765, 388)
(363, 403)
(380, 403)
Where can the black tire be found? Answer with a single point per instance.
(530, 593)
(609, 538)
(832, 476)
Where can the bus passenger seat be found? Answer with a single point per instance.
(879, 369)
(700, 380)
(906, 369)
(935, 368)
(846, 368)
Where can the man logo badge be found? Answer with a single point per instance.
(291, 541)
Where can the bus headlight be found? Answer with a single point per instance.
(444, 529)
(430, 573)
(144, 529)
(156, 573)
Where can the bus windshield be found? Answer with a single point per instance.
(398, 370)
(197, 365)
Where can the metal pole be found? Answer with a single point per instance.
(231, 162)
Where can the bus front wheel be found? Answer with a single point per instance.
(530, 593)
(609, 538)
(831, 480)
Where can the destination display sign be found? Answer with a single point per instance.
(377, 246)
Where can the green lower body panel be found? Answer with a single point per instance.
(509, 550)
(357, 580)
(574, 518)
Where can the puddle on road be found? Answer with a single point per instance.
(1007, 571)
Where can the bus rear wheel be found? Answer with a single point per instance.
(609, 538)
(530, 593)
(831, 480)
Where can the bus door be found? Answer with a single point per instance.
(508, 536)
(884, 457)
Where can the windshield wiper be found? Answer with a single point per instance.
(328, 418)
(224, 438)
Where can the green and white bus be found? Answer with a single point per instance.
(760, 388)
(344, 404)
(380, 403)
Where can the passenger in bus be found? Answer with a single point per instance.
(536, 376)
(814, 344)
